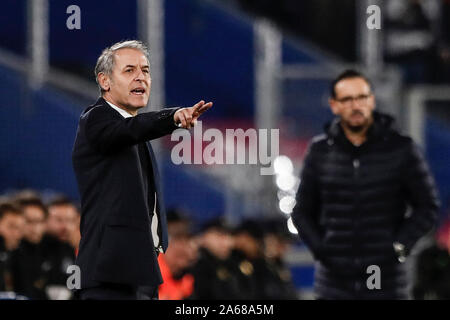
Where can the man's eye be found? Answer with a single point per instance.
(146, 71)
(128, 70)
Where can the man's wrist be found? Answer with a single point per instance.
(176, 124)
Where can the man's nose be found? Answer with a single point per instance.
(357, 105)
(140, 76)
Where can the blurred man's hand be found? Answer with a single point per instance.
(187, 117)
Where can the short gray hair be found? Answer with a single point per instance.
(105, 63)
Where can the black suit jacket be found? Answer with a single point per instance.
(116, 242)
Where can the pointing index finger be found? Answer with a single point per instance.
(204, 108)
(198, 105)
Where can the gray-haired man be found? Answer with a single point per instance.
(123, 224)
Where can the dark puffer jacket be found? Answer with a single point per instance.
(352, 204)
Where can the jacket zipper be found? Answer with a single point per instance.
(356, 169)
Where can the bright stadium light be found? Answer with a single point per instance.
(291, 227)
(287, 204)
(286, 182)
(283, 165)
(281, 194)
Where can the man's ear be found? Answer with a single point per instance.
(104, 81)
(373, 102)
(334, 106)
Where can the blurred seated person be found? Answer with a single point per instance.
(30, 269)
(277, 240)
(248, 260)
(214, 278)
(56, 243)
(63, 215)
(180, 256)
(11, 231)
(432, 274)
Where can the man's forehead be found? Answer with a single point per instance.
(130, 56)
(32, 209)
(352, 86)
(62, 210)
(10, 215)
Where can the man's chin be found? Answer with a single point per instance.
(137, 102)
(356, 126)
(137, 105)
(356, 129)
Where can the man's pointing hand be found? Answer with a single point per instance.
(187, 117)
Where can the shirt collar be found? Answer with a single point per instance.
(119, 110)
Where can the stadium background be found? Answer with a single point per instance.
(259, 69)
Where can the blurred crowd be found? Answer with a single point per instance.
(215, 261)
(39, 239)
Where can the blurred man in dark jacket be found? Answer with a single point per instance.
(278, 284)
(30, 271)
(432, 272)
(259, 277)
(357, 182)
(57, 249)
(62, 216)
(11, 232)
(247, 258)
(213, 277)
(64, 221)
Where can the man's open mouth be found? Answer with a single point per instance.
(138, 91)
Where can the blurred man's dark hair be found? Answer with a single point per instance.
(11, 231)
(62, 200)
(9, 207)
(217, 224)
(249, 238)
(178, 223)
(176, 215)
(347, 74)
(30, 198)
(252, 227)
